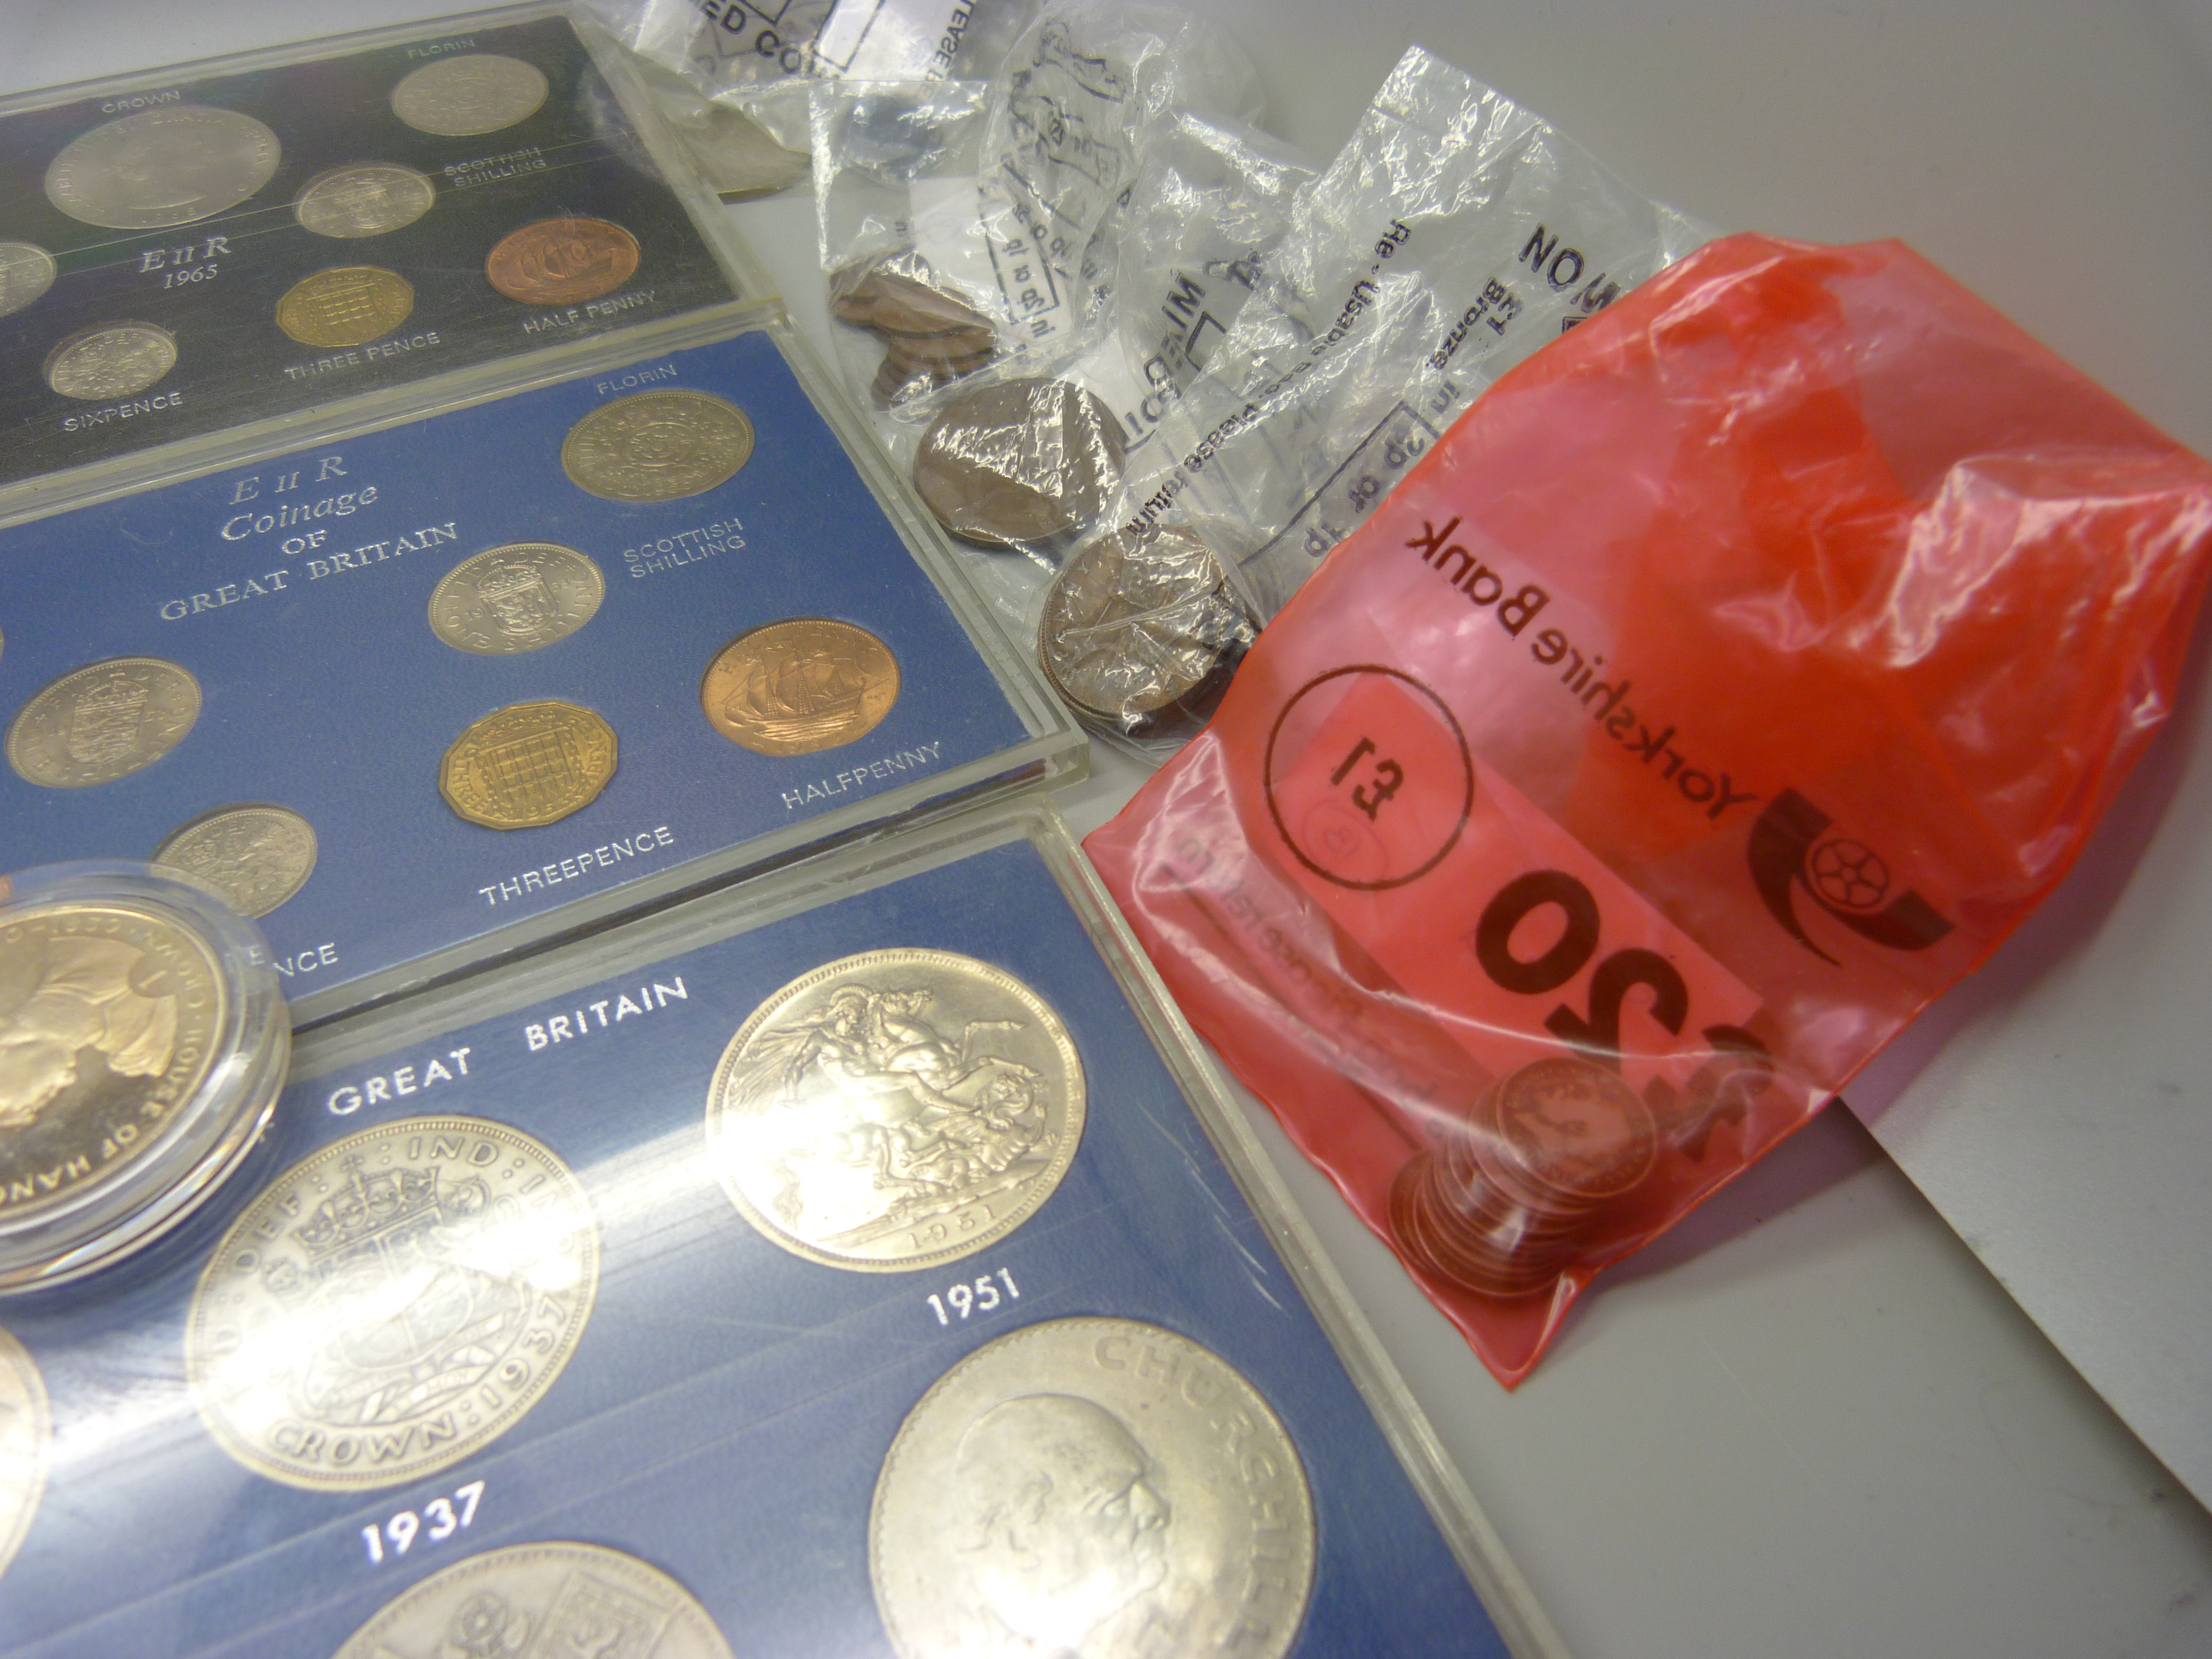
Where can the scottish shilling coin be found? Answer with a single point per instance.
(542, 1601)
(366, 199)
(348, 306)
(118, 360)
(528, 764)
(108, 1017)
(460, 97)
(26, 1439)
(562, 262)
(1019, 463)
(895, 1110)
(514, 598)
(658, 446)
(1142, 636)
(162, 166)
(98, 723)
(391, 1304)
(252, 857)
(1096, 1488)
(793, 687)
(26, 272)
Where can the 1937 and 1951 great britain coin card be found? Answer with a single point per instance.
(184, 252)
(855, 1280)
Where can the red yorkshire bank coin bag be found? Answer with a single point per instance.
(1730, 680)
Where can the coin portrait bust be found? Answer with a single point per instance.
(73, 995)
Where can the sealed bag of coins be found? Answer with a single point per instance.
(142, 1043)
(1729, 682)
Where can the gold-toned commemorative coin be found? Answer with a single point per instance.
(1095, 1486)
(658, 446)
(793, 687)
(519, 597)
(562, 262)
(365, 199)
(528, 764)
(347, 306)
(116, 360)
(477, 91)
(554, 1600)
(162, 166)
(392, 1304)
(895, 1110)
(99, 723)
(252, 856)
(27, 272)
(26, 1445)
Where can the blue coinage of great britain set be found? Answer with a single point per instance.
(296, 592)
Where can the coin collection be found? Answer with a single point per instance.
(932, 337)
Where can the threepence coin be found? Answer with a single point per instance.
(544, 1601)
(252, 857)
(365, 199)
(460, 97)
(109, 1015)
(793, 687)
(25, 1440)
(895, 1110)
(515, 598)
(162, 166)
(392, 1304)
(1093, 1487)
(1019, 463)
(562, 262)
(528, 764)
(658, 446)
(27, 272)
(98, 723)
(118, 360)
(348, 306)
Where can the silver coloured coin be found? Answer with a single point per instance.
(365, 199)
(162, 166)
(509, 599)
(460, 97)
(895, 1110)
(26, 1445)
(252, 857)
(1096, 1488)
(119, 360)
(542, 1601)
(103, 722)
(27, 270)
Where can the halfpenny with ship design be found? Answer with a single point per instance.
(562, 262)
(799, 685)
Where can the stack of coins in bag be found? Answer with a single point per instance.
(1504, 1201)
(932, 337)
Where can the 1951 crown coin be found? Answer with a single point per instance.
(514, 598)
(162, 166)
(253, 857)
(116, 360)
(793, 687)
(477, 91)
(97, 724)
(27, 272)
(658, 446)
(367, 198)
(562, 262)
(392, 1304)
(528, 764)
(348, 306)
(26, 1445)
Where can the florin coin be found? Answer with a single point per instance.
(528, 764)
(545, 1601)
(26, 1442)
(391, 1304)
(793, 687)
(162, 166)
(118, 360)
(1019, 463)
(562, 262)
(109, 1015)
(27, 272)
(97, 724)
(658, 446)
(252, 857)
(365, 199)
(346, 306)
(461, 97)
(515, 598)
(1092, 1486)
(895, 1110)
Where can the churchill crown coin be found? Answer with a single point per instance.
(895, 1110)
(513, 598)
(391, 1304)
(253, 857)
(368, 198)
(476, 92)
(658, 446)
(348, 306)
(562, 262)
(162, 166)
(103, 722)
(1094, 1486)
(799, 685)
(26, 1445)
(528, 764)
(118, 359)
(27, 272)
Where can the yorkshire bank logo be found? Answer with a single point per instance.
(1846, 878)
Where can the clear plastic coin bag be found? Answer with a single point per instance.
(1730, 680)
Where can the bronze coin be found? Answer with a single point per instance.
(1020, 463)
(1574, 1129)
(559, 262)
(795, 686)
